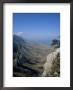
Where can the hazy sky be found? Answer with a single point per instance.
(36, 26)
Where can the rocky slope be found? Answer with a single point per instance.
(52, 65)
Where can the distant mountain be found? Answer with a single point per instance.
(44, 41)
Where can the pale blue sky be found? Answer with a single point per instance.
(36, 26)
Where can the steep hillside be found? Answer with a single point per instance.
(29, 58)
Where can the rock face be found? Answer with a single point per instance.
(51, 58)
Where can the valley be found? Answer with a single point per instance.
(29, 58)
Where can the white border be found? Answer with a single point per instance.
(64, 80)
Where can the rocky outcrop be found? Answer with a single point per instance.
(49, 63)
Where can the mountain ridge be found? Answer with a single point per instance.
(29, 58)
